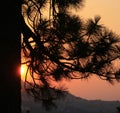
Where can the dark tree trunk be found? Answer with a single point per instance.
(10, 57)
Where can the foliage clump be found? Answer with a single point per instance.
(58, 44)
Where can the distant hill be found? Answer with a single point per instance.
(71, 104)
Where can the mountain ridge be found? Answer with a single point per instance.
(71, 104)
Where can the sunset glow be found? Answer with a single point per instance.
(23, 71)
(93, 87)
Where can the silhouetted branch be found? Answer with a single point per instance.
(62, 45)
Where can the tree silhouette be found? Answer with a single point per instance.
(58, 44)
(118, 109)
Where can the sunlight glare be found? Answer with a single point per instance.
(23, 71)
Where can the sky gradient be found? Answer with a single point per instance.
(109, 11)
(95, 88)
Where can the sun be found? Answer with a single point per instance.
(23, 70)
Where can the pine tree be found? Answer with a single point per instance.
(59, 44)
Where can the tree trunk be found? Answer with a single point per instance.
(10, 57)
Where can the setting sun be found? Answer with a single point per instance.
(23, 71)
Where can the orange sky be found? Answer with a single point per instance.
(109, 10)
(94, 88)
